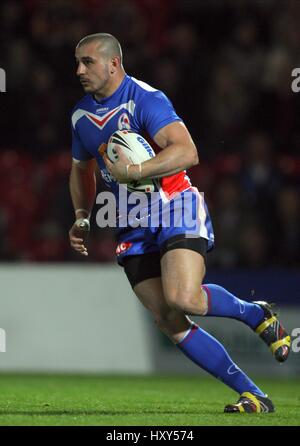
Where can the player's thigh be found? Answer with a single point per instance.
(144, 274)
(151, 294)
(182, 274)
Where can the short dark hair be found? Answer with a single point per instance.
(109, 44)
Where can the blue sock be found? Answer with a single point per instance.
(222, 303)
(210, 355)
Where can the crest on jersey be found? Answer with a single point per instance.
(124, 122)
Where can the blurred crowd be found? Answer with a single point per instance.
(225, 65)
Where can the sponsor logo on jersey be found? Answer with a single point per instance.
(102, 109)
(123, 247)
(124, 122)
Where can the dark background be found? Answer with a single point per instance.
(225, 65)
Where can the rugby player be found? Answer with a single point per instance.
(164, 265)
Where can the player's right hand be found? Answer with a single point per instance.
(78, 238)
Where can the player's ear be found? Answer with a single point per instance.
(114, 64)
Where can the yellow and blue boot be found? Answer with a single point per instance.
(250, 403)
(273, 333)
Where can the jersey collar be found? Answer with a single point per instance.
(115, 93)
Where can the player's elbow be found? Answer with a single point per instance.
(196, 157)
(193, 156)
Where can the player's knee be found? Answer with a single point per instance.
(183, 300)
(178, 299)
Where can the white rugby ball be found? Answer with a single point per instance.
(137, 149)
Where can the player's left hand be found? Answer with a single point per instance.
(118, 169)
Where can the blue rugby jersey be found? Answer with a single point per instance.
(133, 106)
(138, 107)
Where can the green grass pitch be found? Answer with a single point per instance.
(136, 400)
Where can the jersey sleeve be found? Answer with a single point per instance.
(78, 151)
(155, 111)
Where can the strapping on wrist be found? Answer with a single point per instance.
(77, 211)
(134, 175)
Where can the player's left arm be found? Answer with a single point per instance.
(155, 114)
(179, 153)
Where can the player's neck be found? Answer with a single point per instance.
(112, 86)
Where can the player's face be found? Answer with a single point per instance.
(93, 68)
